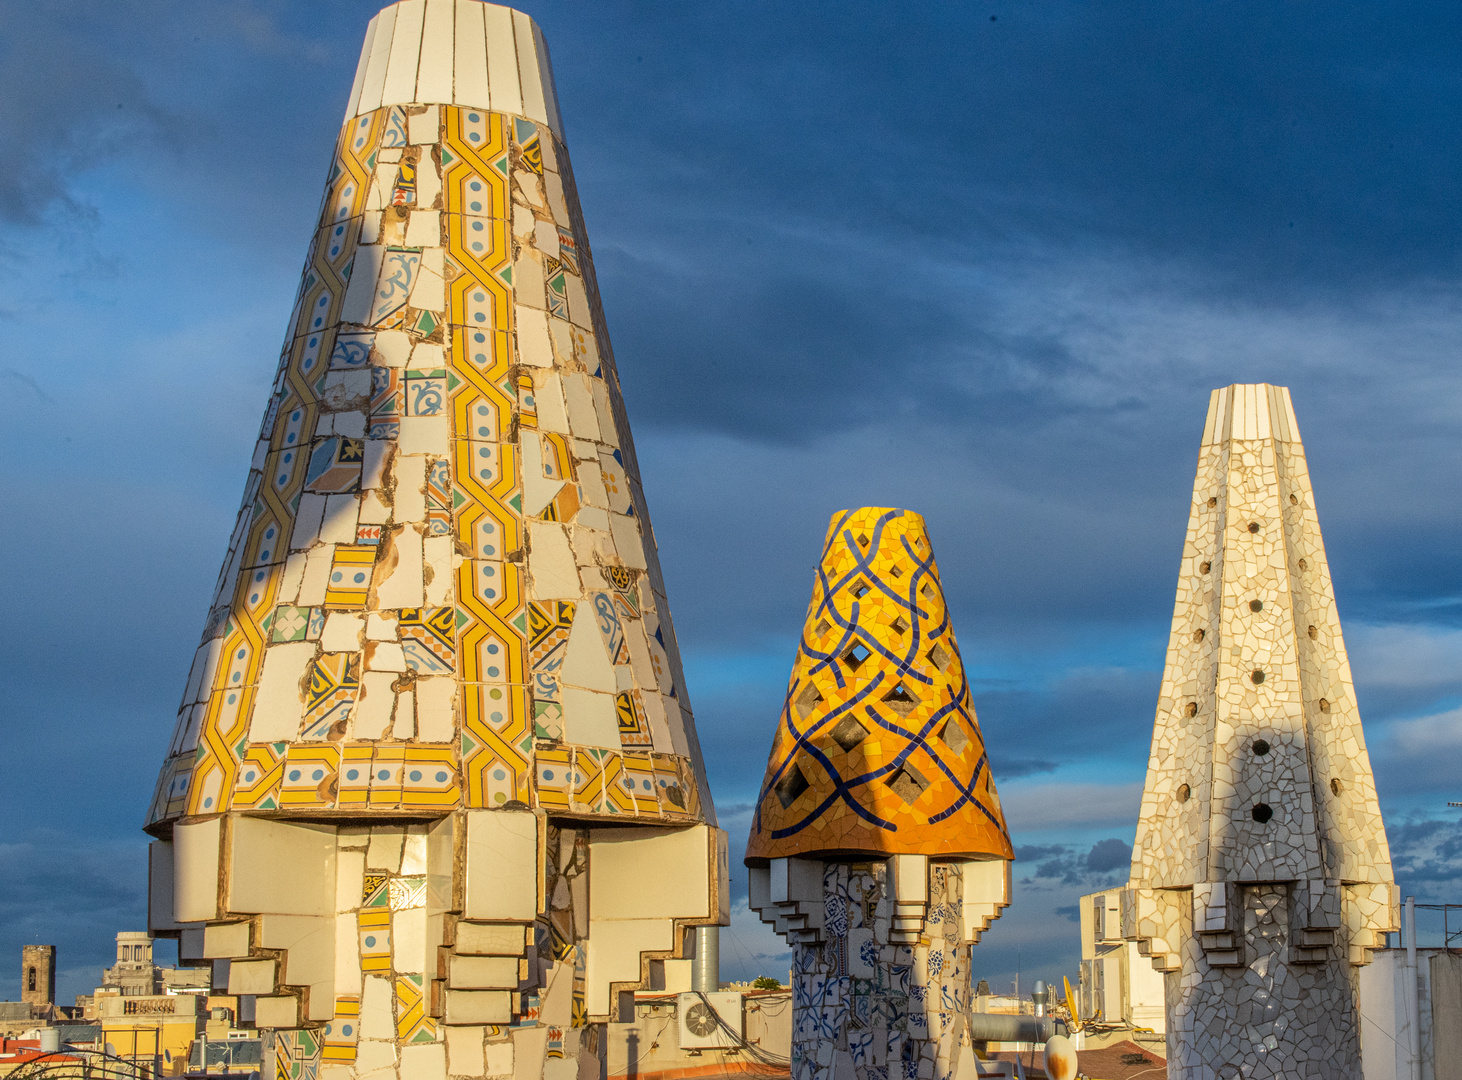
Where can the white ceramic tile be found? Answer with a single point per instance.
(373, 472)
(289, 582)
(586, 660)
(550, 96)
(498, 1058)
(427, 1061)
(534, 347)
(434, 73)
(470, 46)
(362, 288)
(380, 627)
(438, 552)
(403, 587)
(392, 348)
(347, 946)
(583, 417)
(428, 184)
(342, 632)
(316, 576)
(360, 70)
(523, 221)
(384, 850)
(424, 229)
(551, 563)
(627, 541)
(410, 499)
(464, 1051)
(548, 395)
(307, 520)
(545, 237)
(429, 291)
(380, 55)
(556, 202)
(425, 435)
(404, 725)
(373, 511)
(338, 526)
(501, 866)
(436, 709)
(526, 185)
(372, 711)
(400, 86)
(502, 59)
(428, 356)
(278, 706)
(350, 424)
(528, 76)
(538, 490)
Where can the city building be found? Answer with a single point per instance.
(1118, 984)
(136, 974)
(38, 974)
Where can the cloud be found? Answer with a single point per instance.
(1419, 755)
(1404, 659)
(74, 892)
(70, 102)
(1055, 805)
(1108, 855)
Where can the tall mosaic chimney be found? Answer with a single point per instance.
(437, 729)
(1261, 876)
(878, 848)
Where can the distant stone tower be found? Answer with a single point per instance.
(38, 974)
(1261, 875)
(434, 796)
(878, 848)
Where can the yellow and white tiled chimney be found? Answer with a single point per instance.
(437, 724)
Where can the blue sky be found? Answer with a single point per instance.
(983, 260)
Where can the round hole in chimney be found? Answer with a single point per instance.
(1183, 792)
(1336, 787)
(1257, 676)
(1294, 500)
(1212, 502)
(1313, 633)
(1256, 605)
(1261, 812)
(1261, 747)
(1253, 526)
(1204, 567)
(1198, 635)
(1324, 705)
(1192, 709)
(1304, 565)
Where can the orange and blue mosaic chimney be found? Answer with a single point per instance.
(438, 678)
(878, 848)
(878, 751)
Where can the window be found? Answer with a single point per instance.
(30, 979)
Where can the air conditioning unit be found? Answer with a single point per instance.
(709, 1021)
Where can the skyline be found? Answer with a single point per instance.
(1076, 226)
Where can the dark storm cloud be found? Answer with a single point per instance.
(1065, 865)
(74, 892)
